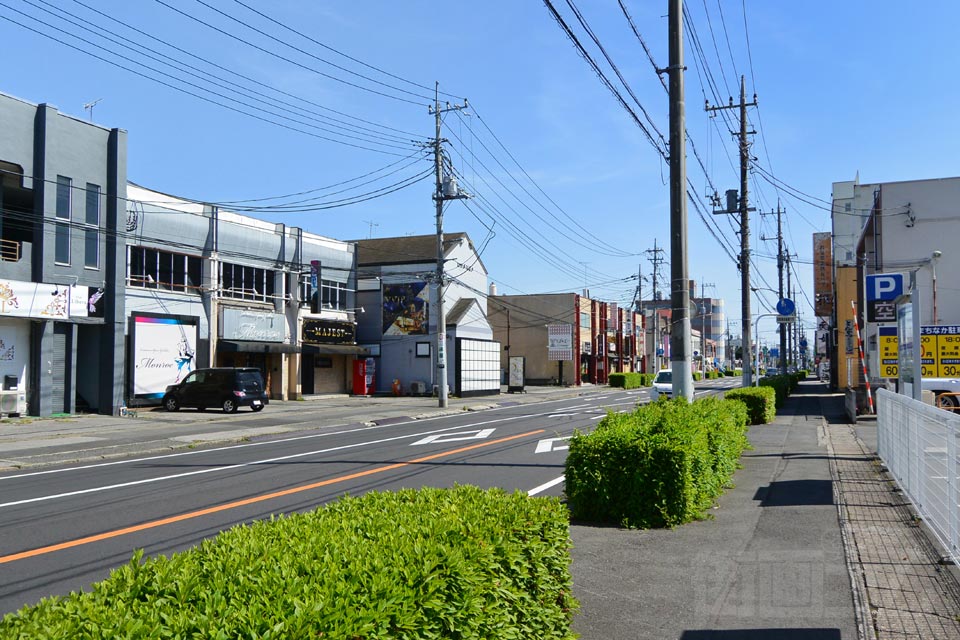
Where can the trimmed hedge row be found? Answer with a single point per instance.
(433, 563)
(660, 466)
(630, 380)
(761, 403)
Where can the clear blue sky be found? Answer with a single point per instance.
(843, 88)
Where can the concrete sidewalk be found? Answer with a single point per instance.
(811, 543)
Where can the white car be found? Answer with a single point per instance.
(663, 384)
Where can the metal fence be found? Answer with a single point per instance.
(918, 443)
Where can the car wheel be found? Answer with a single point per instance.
(229, 405)
(170, 403)
(258, 407)
(948, 402)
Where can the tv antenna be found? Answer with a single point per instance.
(89, 107)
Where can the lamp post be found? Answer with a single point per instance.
(933, 268)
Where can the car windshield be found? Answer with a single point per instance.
(664, 376)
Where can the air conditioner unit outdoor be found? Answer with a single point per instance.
(418, 388)
(12, 402)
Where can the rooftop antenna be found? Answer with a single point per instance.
(89, 107)
(372, 225)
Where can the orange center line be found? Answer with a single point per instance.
(241, 503)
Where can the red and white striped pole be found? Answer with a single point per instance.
(863, 362)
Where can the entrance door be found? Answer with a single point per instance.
(306, 373)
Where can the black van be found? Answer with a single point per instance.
(226, 387)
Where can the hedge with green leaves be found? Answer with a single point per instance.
(728, 373)
(696, 376)
(433, 563)
(660, 466)
(761, 403)
(627, 380)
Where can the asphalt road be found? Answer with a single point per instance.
(64, 528)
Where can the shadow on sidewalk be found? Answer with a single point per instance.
(763, 634)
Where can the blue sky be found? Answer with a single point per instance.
(576, 194)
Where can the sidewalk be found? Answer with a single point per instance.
(34, 442)
(811, 543)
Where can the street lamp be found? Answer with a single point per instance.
(756, 332)
(933, 268)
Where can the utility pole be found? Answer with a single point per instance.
(786, 332)
(780, 264)
(745, 290)
(704, 312)
(657, 260)
(446, 189)
(679, 280)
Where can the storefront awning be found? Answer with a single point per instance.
(247, 346)
(336, 349)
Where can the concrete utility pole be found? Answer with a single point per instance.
(780, 264)
(787, 330)
(704, 312)
(445, 190)
(657, 260)
(679, 286)
(744, 229)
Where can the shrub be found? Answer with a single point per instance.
(628, 380)
(434, 563)
(781, 385)
(696, 376)
(660, 466)
(728, 373)
(761, 403)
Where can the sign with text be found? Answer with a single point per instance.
(316, 331)
(559, 342)
(822, 273)
(940, 351)
(882, 291)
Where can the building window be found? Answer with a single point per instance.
(584, 320)
(423, 350)
(246, 283)
(155, 269)
(91, 231)
(62, 239)
(333, 295)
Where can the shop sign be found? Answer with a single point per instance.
(940, 355)
(34, 300)
(559, 342)
(255, 326)
(317, 331)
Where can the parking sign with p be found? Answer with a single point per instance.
(883, 289)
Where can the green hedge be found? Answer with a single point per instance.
(434, 563)
(782, 384)
(761, 403)
(728, 373)
(696, 376)
(660, 466)
(626, 380)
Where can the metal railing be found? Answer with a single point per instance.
(10, 250)
(918, 443)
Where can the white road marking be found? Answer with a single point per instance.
(561, 415)
(545, 486)
(455, 437)
(547, 445)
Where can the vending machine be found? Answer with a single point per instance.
(364, 379)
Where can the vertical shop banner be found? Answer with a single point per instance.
(406, 309)
(314, 286)
(164, 349)
(559, 342)
(822, 274)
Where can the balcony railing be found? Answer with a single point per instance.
(10, 250)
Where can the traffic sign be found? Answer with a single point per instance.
(786, 307)
(882, 291)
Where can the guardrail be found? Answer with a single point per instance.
(10, 250)
(918, 443)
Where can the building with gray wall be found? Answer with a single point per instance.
(62, 193)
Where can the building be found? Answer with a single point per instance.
(893, 227)
(208, 287)
(707, 319)
(566, 338)
(397, 289)
(62, 193)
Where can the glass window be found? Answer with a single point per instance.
(93, 205)
(62, 245)
(63, 197)
(91, 248)
(247, 283)
(151, 268)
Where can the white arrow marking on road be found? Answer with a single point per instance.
(561, 415)
(455, 437)
(546, 446)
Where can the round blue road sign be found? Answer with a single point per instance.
(786, 307)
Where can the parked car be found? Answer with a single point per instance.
(228, 388)
(663, 384)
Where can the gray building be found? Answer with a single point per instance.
(397, 290)
(62, 192)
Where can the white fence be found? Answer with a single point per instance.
(918, 443)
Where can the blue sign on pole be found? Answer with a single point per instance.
(882, 291)
(786, 307)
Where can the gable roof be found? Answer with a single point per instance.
(407, 249)
(459, 310)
